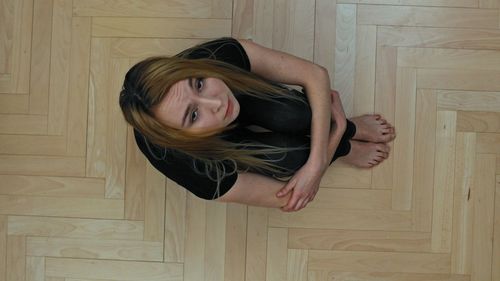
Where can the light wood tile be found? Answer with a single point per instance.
(463, 205)
(423, 173)
(345, 55)
(403, 147)
(483, 194)
(443, 181)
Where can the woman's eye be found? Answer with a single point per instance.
(199, 83)
(194, 115)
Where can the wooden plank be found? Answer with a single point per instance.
(403, 147)
(256, 259)
(23, 124)
(318, 275)
(175, 222)
(483, 194)
(496, 233)
(364, 84)
(353, 240)
(97, 107)
(458, 79)
(488, 143)
(478, 121)
(69, 207)
(139, 48)
(196, 236)
(410, 36)
(463, 206)
(448, 58)
(360, 199)
(469, 100)
(57, 247)
(3, 246)
(297, 264)
(154, 204)
(342, 219)
(75, 228)
(40, 59)
(236, 242)
(426, 16)
(135, 179)
(78, 85)
(429, 3)
(263, 20)
(14, 104)
(215, 240)
(423, 174)
(116, 138)
(489, 4)
(325, 35)
(51, 186)
(59, 67)
(143, 8)
(379, 261)
(103, 269)
(35, 268)
(443, 181)
(342, 175)
(243, 19)
(221, 9)
(293, 30)
(385, 93)
(21, 47)
(16, 258)
(42, 165)
(160, 27)
(396, 276)
(23, 145)
(7, 9)
(278, 255)
(345, 55)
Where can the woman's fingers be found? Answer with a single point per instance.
(287, 188)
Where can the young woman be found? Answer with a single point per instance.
(194, 117)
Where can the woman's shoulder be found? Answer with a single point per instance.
(151, 150)
(226, 49)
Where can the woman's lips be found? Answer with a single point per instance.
(229, 109)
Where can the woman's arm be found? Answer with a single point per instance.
(289, 69)
(256, 190)
(285, 68)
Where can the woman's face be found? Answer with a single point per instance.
(198, 105)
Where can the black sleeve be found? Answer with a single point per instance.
(224, 49)
(180, 168)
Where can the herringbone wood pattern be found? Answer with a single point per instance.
(79, 202)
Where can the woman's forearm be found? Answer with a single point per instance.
(335, 137)
(318, 94)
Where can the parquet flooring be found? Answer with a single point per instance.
(79, 202)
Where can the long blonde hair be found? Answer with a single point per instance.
(146, 84)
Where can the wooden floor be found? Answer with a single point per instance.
(79, 202)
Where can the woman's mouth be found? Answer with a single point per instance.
(229, 109)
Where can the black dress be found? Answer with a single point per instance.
(289, 123)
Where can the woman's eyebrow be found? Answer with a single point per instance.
(190, 83)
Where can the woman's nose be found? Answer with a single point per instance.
(213, 103)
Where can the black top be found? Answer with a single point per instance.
(289, 122)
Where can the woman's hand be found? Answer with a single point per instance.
(305, 182)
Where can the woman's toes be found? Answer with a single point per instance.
(383, 147)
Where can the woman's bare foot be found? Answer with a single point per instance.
(373, 128)
(366, 154)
